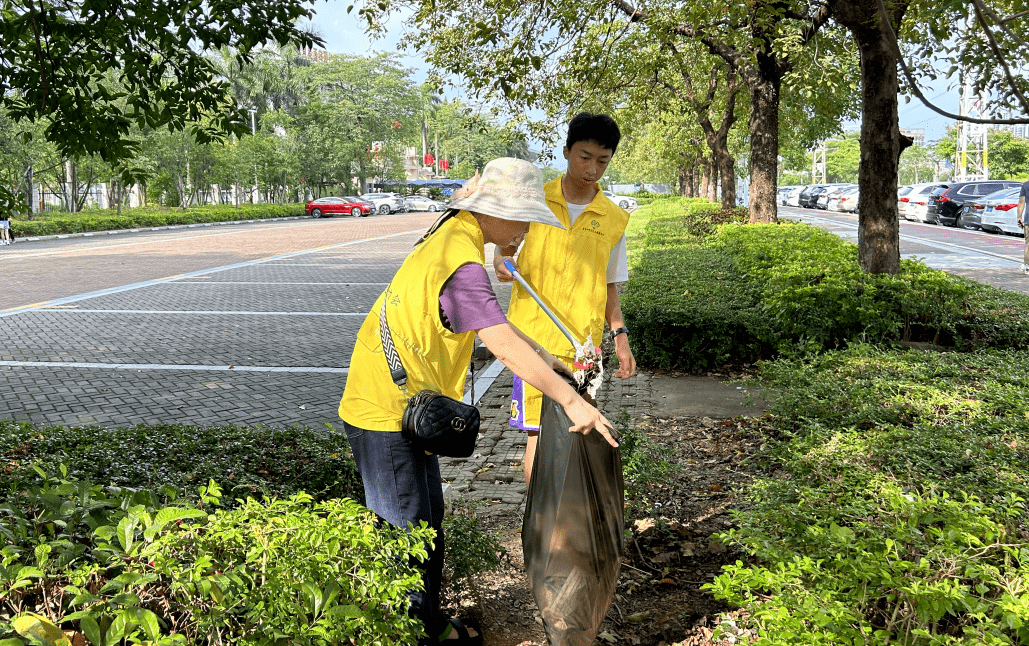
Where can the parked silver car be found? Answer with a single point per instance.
(386, 202)
(843, 199)
(1000, 212)
(422, 203)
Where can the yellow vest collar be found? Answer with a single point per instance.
(555, 194)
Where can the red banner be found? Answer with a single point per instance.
(429, 159)
(444, 164)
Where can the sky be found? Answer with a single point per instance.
(344, 34)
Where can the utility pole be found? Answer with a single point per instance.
(972, 161)
(253, 132)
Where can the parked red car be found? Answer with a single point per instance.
(329, 206)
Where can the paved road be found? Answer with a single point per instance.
(245, 324)
(986, 257)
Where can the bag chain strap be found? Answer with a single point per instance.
(396, 367)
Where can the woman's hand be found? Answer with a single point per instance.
(586, 418)
(503, 275)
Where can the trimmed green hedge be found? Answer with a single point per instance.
(150, 217)
(701, 293)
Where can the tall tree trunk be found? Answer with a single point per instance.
(712, 184)
(71, 186)
(878, 226)
(764, 141)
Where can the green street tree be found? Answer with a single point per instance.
(355, 118)
(842, 157)
(526, 55)
(468, 139)
(918, 164)
(90, 71)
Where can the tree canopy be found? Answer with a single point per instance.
(90, 70)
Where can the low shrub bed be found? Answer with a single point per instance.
(114, 566)
(895, 507)
(261, 461)
(126, 535)
(108, 220)
(788, 289)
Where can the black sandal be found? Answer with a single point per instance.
(463, 636)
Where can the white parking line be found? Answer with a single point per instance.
(63, 310)
(167, 366)
(158, 281)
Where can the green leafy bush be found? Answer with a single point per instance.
(97, 220)
(702, 294)
(123, 566)
(689, 308)
(897, 511)
(254, 460)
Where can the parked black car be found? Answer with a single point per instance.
(806, 200)
(945, 203)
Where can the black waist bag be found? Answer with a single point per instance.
(441, 425)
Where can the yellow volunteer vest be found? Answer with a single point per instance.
(568, 269)
(433, 356)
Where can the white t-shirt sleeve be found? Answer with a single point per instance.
(618, 263)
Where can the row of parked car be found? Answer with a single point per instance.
(828, 197)
(385, 203)
(359, 206)
(990, 205)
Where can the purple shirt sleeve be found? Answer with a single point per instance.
(467, 301)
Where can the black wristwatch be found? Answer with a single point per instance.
(621, 330)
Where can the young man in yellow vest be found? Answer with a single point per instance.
(576, 270)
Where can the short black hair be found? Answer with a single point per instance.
(600, 128)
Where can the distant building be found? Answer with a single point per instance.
(1019, 130)
(918, 134)
(318, 55)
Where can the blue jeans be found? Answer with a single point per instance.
(403, 485)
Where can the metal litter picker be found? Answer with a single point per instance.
(572, 530)
(589, 371)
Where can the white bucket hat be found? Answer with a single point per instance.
(509, 189)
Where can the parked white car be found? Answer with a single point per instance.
(913, 205)
(623, 201)
(793, 198)
(783, 194)
(1000, 212)
(386, 202)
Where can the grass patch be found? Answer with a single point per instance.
(247, 461)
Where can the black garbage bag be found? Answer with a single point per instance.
(572, 532)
